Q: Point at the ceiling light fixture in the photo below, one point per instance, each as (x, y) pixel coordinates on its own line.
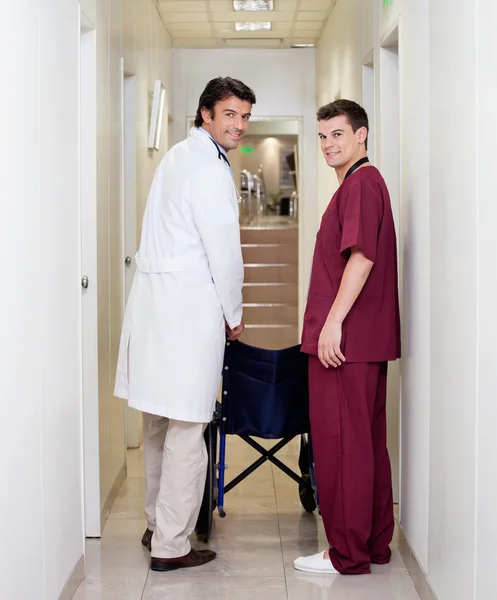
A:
(302, 45)
(253, 5)
(252, 26)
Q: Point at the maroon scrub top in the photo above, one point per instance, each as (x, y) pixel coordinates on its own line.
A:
(359, 214)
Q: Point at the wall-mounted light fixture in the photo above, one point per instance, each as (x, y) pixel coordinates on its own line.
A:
(156, 115)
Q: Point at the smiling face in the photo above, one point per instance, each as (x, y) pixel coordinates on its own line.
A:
(341, 146)
(229, 121)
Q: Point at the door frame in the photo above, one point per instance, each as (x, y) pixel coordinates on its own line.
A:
(129, 234)
(89, 300)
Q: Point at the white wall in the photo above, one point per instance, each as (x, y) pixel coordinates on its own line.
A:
(415, 223)
(337, 75)
(40, 380)
(486, 480)
(132, 30)
(454, 278)
(448, 218)
(40, 314)
(284, 83)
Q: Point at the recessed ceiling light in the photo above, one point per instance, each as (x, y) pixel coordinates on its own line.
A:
(253, 5)
(252, 26)
(302, 45)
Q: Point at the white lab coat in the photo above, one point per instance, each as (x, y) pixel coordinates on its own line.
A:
(188, 280)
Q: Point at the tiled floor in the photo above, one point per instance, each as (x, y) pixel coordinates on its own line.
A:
(265, 529)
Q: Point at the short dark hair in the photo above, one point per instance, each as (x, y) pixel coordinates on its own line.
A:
(355, 114)
(218, 90)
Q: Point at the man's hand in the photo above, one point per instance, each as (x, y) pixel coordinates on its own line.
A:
(236, 332)
(330, 339)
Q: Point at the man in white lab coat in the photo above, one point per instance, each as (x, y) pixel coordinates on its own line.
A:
(187, 293)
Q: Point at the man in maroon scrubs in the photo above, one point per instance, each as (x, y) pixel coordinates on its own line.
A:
(351, 330)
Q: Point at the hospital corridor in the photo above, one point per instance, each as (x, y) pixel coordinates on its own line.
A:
(264, 529)
(172, 198)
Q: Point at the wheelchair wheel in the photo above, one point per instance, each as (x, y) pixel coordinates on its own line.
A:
(307, 496)
(204, 521)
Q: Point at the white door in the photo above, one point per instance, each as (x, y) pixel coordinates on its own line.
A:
(134, 426)
(88, 199)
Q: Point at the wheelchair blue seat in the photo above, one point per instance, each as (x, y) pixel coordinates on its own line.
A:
(265, 392)
(264, 395)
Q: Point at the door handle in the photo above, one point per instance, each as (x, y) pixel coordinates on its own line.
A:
(127, 260)
(84, 282)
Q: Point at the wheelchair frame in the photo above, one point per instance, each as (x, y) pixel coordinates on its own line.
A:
(215, 486)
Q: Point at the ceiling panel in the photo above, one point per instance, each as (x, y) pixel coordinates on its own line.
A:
(176, 27)
(283, 26)
(306, 33)
(169, 6)
(311, 16)
(211, 23)
(224, 26)
(220, 5)
(193, 35)
(253, 16)
(314, 5)
(186, 43)
(309, 25)
(186, 18)
(286, 4)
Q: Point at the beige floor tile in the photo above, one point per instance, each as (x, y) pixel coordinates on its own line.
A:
(251, 508)
(303, 526)
(396, 564)
(111, 589)
(288, 502)
(240, 558)
(133, 487)
(303, 538)
(245, 529)
(135, 463)
(124, 529)
(116, 558)
(396, 586)
(127, 507)
(254, 487)
(173, 586)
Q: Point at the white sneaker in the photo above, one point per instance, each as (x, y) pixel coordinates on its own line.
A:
(316, 563)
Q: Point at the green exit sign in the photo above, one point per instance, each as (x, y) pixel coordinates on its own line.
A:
(246, 149)
(387, 3)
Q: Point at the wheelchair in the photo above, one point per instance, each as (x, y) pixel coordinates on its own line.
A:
(264, 395)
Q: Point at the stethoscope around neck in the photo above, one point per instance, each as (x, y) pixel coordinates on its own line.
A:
(220, 154)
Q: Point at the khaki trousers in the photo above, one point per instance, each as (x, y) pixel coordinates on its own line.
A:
(175, 470)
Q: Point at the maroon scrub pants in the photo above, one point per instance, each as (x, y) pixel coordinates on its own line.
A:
(349, 435)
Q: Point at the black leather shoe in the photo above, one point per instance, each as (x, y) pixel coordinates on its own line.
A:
(147, 539)
(195, 558)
